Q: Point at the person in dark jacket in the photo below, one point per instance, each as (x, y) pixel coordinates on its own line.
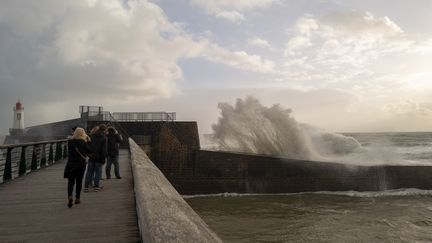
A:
(96, 158)
(78, 149)
(114, 140)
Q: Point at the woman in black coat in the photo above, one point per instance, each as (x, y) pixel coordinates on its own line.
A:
(78, 149)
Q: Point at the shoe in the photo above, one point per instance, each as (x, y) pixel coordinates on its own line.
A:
(96, 189)
(70, 202)
(77, 201)
(86, 189)
(118, 177)
(108, 177)
(102, 179)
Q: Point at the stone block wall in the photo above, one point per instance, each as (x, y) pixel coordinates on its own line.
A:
(219, 172)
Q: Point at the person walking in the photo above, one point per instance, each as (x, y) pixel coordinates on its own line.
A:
(78, 149)
(114, 139)
(96, 158)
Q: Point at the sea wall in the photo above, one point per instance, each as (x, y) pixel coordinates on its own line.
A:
(163, 215)
(218, 172)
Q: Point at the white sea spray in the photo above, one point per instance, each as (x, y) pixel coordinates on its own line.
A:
(250, 127)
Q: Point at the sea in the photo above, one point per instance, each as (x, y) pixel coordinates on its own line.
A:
(403, 215)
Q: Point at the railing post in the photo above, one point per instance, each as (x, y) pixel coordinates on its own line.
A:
(22, 167)
(8, 166)
(43, 156)
(51, 155)
(58, 152)
(65, 151)
(34, 164)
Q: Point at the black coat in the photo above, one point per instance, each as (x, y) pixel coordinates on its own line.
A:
(78, 149)
(99, 147)
(114, 141)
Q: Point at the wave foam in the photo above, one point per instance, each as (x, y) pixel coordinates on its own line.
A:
(386, 193)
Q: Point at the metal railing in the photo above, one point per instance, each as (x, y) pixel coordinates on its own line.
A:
(128, 116)
(144, 116)
(96, 116)
(20, 159)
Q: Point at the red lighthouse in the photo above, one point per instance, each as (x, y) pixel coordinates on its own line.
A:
(18, 123)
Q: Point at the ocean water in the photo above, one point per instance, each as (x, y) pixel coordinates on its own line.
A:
(403, 215)
(411, 146)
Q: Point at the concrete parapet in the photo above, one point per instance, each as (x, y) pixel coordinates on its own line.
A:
(163, 215)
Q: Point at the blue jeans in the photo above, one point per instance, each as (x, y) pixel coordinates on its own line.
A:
(94, 171)
(112, 160)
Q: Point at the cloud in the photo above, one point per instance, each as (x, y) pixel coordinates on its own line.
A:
(239, 59)
(232, 16)
(231, 10)
(346, 46)
(407, 115)
(98, 51)
(258, 42)
(132, 50)
(409, 108)
(130, 47)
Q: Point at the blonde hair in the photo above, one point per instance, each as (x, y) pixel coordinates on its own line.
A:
(80, 133)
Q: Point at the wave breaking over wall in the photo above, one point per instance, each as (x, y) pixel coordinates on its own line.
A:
(250, 127)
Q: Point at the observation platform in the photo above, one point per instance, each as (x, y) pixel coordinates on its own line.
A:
(33, 208)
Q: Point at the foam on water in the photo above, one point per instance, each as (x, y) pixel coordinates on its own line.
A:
(371, 194)
(250, 127)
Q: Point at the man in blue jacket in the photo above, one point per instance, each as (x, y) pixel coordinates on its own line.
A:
(96, 158)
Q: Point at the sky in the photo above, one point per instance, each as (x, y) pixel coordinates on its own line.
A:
(340, 65)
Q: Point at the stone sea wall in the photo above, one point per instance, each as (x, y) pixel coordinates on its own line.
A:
(219, 172)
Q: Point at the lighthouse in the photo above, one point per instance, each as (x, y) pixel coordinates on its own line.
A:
(18, 123)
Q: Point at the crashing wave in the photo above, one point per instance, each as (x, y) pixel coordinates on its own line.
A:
(251, 127)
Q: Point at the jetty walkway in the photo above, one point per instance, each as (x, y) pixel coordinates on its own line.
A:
(33, 209)
(141, 207)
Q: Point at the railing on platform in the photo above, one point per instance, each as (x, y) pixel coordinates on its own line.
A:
(96, 113)
(144, 116)
(20, 159)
